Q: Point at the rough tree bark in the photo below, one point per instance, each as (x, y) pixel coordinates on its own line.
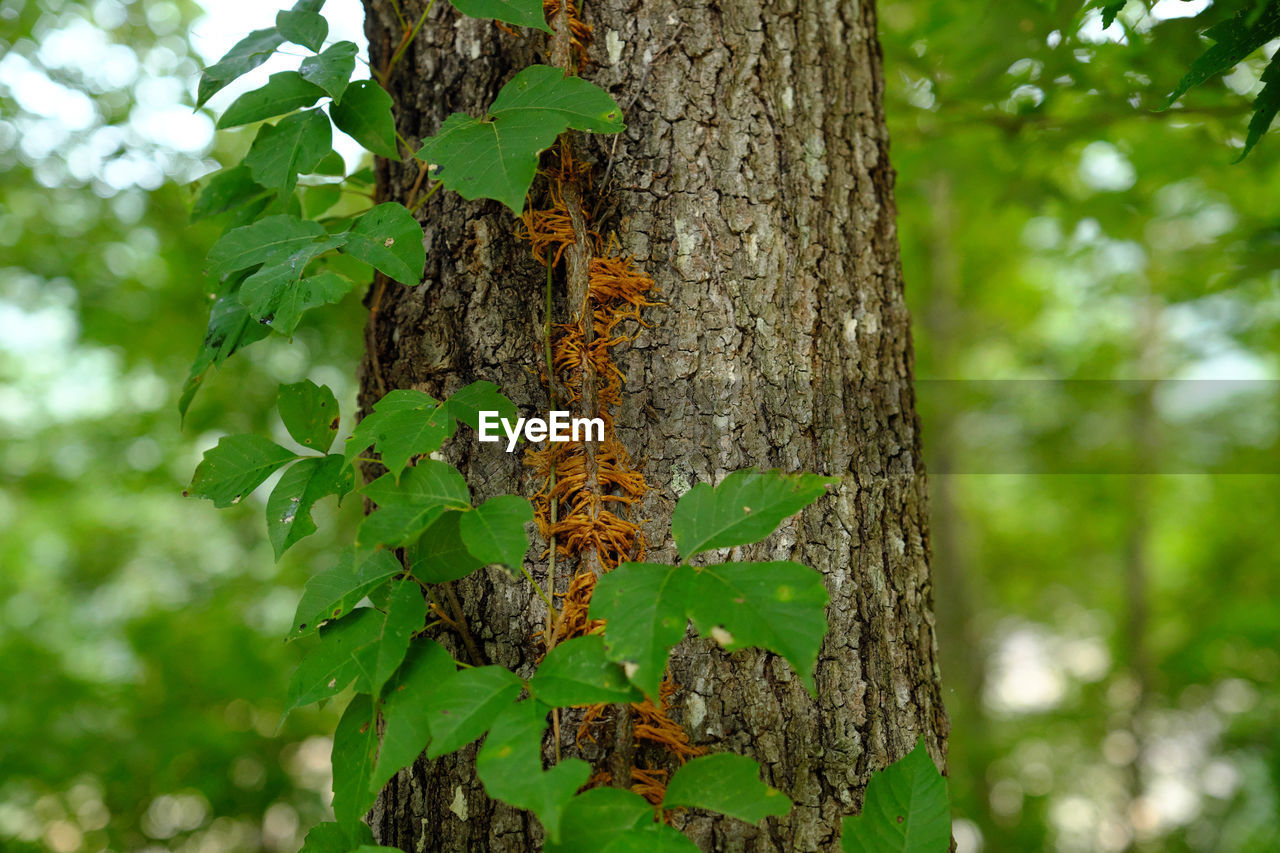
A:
(753, 184)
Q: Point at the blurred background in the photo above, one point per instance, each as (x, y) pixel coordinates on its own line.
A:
(1097, 313)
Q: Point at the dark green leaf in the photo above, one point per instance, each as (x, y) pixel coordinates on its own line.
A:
(331, 838)
(644, 604)
(407, 730)
(725, 783)
(407, 508)
(231, 327)
(746, 507)
(439, 555)
(468, 402)
(389, 239)
(228, 190)
(332, 165)
(247, 54)
(510, 766)
(268, 241)
(776, 606)
(596, 817)
(294, 145)
(276, 294)
(364, 113)
(405, 423)
(317, 199)
(905, 811)
(302, 27)
(310, 414)
(284, 92)
(1235, 38)
(521, 13)
(331, 69)
(494, 531)
(466, 704)
(297, 298)
(1111, 10)
(236, 467)
(289, 507)
(355, 748)
(1265, 107)
(496, 157)
(578, 672)
(651, 838)
(334, 592)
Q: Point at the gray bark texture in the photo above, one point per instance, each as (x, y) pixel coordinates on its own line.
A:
(753, 184)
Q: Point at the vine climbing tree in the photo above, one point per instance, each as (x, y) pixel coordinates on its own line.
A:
(677, 218)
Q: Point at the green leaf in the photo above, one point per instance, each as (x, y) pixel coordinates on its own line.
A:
(332, 165)
(390, 240)
(296, 144)
(319, 198)
(1235, 38)
(334, 592)
(328, 837)
(275, 293)
(510, 766)
(725, 783)
(466, 704)
(303, 27)
(596, 817)
(365, 647)
(494, 531)
(364, 113)
(1265, 107)
(905, 811)
(468, 402)
(310, 414)
(651, 838)
(521, 13)
(247, 54)
(228, 190)
(272, 240)
(296, 298)
(644, 604)
(746, 507)
(1111, 10)
(289, 507)
(355, 748)
(230, 328)
(407, 508)
(496, 156)
(439, 555)
(236, 467)
(407, 731)
(776, 606)
(405, 423)
(578, 672)
(332, 68)
(284, 92)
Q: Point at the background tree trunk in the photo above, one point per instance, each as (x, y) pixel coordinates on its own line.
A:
(753, 185)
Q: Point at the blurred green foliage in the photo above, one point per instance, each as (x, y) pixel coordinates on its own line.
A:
(1108, 640)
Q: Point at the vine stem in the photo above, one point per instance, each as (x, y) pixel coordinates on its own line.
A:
(409, 35)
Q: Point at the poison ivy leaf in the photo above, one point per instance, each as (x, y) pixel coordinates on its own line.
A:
(302, 27)
(364, 113)
(390, 240)
(776, 606)
(355, 748)
(746, 507)
(231, 327)
(332, 68)
(406, 509)
(247, 54)
(651, 838)
(332, 164)
(319, 198)
(406, 613)
(407, 730)
(236, 467)
(405, 423)
(496, 156)
(468, 402)
(298, 297)
(373, 848)
(596, 817)
(725, 783)
(310, 414)
(272, 240)
(578, 672)
(510, 766)
(439, 555)
(521, 13)
(284, 92)
(334, 592)
(328, 837)
(228, 190)
(494, 531)
(905, 811)
(342, 656)
(466, 704)
(296, 144)
(289, 507)
(644, 604)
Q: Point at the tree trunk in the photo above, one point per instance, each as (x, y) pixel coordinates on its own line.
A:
(753, 184)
